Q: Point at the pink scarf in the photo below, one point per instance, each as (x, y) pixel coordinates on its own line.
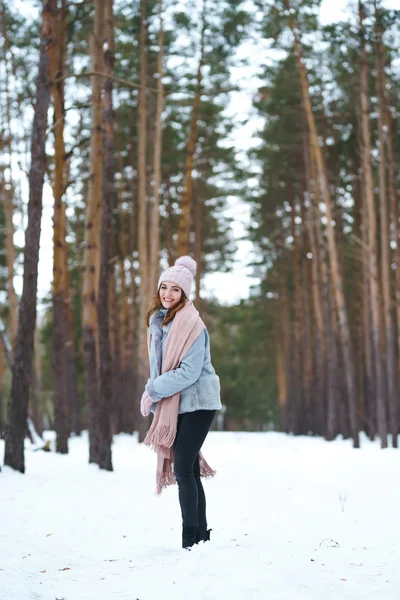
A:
(186, 327)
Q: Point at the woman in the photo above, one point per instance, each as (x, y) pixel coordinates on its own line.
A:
(183, 392)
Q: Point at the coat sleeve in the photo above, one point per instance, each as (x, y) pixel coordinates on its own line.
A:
(178, 379)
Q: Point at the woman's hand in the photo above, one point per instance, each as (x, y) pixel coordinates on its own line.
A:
(145, 404)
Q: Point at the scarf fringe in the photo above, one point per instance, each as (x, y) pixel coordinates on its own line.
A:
(205, 470)
(165, 476)
(165, 472)
(160, 439)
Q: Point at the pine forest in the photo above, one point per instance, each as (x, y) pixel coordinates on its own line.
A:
(125, 142)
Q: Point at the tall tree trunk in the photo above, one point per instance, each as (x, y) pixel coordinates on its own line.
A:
(186, 201)
(281, 377)
(345, 337)
(108, 202)
(328, 306)
(72, 378)
(155, 207)
(298, 311)
(37, 403)
(60, 319)
(144, 266)
(91, 241)
(22, 370)
(310, 400)
(361, 313)
(170, 246)
(199, 215)
(385, 143)
(2, 361)
(8, 195)
(283, 367)
(124, 423)
(319, 350)
(394, 207)
(385, 239)
(372, 238)
(115, 343)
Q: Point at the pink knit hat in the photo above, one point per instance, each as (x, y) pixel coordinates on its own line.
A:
(181, 273)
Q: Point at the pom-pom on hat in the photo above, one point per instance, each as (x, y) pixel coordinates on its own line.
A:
(181, 273)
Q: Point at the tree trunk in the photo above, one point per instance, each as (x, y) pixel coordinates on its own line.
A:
(199, 215)
(22, 371)
(72, 380)
(9, 192)
(122, 358)
(169, 242)
(281, 378)
(385, 236)
(91, 241)
(372, 239)
(108, 201)
(37, 403)
(361, 313)
(298, 311)
(394, 209)
(144, 266)
(1, 392)
(311, 403)
(345, 337)
(155, 207)
(115, 344)
(60, 319)
(186, 201)
(319, 350)
(328, 306)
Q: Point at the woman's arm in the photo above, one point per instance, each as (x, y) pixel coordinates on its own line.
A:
(186, 374)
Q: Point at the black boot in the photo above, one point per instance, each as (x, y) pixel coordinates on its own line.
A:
(203, 534)
(189, 536)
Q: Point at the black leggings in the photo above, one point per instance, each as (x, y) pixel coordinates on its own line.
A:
(191, 432)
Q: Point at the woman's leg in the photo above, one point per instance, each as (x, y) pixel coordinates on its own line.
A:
(191, 433)
(201, 503)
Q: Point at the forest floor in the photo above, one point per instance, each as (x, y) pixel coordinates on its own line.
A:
(292, 518)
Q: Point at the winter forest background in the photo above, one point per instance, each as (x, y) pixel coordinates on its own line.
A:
(130, 112)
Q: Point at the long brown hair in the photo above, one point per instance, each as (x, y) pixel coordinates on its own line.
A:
(156, 304)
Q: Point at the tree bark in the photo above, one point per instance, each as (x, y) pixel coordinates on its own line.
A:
(60, 319)
(37, 403)
(385, 236)
(125, 358)
(345, 337)
(115, 344)
(298, 311)
(394, 209)
(283, 366)
(186, 201)
(9, 192)
(155, 207)
(91, 241)
(1, 392)
(72, 380)
(372, 238)
(319, 350)
(22, 370)
(108, 201)
(144, 266)
(199, 215)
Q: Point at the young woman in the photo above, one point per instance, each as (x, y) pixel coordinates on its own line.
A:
(183, 392)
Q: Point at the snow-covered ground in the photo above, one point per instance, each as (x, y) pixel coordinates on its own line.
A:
(292, 518)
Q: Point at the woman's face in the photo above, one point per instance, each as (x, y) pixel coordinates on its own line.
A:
(170, 294)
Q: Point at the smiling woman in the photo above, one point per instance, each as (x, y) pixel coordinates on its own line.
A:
(183, 391)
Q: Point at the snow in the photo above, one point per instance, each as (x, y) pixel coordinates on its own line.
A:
(292, 518)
